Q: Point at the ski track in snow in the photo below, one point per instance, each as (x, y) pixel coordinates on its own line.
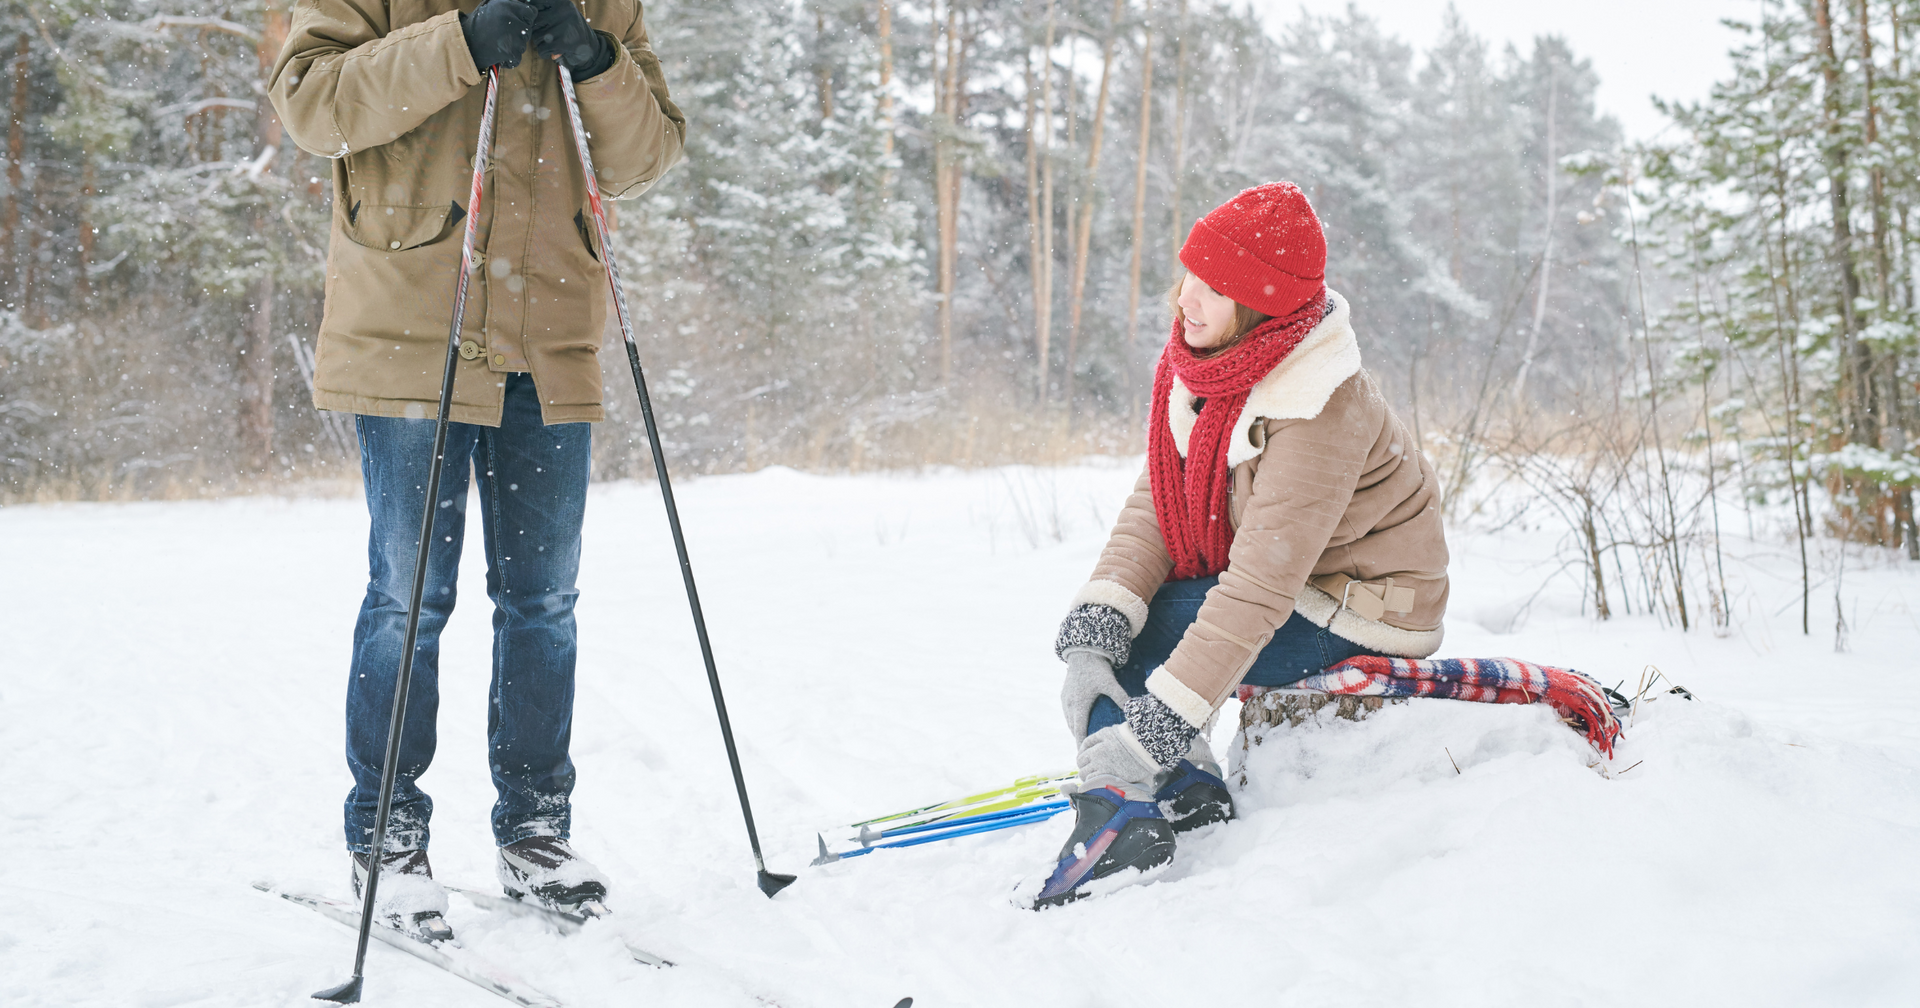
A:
(173, 674)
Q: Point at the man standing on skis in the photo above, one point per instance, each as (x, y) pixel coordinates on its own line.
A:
(391, 91)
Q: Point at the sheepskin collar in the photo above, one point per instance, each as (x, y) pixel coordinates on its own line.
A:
(1297, 389)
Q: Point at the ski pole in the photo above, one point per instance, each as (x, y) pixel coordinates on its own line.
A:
(770, 882)
(349, 992)
(1023, 790)
(867, 836)
(1038, 815)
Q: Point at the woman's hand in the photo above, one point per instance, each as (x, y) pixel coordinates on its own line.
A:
(1089, 677)
(1093, 640)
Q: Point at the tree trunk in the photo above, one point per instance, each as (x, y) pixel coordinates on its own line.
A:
(16, 178)
(822, 71)
(946, 181)
(1043, 294)
(1084, 238)
(885, 31)
(82, 282)
(1179, 130)
(1032, 137)
(256, 370)
(1887, 524)
(1856, 358)
(1130, 330)
(1546, 255)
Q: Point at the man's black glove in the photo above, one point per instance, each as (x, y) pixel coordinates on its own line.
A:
(559, 32)
(497, 32)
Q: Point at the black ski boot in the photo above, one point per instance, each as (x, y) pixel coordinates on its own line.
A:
(547, 871)
(1193, 794)
(407, 899)
(1116, 827)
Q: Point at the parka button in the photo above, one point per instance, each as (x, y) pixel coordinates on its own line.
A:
(470, 350)
(393, 245)
(499, 360)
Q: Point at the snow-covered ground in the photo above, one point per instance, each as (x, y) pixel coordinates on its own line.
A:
(171, 678)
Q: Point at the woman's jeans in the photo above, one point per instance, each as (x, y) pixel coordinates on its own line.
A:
(533, 491)
(1298, 649)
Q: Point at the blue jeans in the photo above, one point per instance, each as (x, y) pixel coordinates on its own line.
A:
(1298, 649)
(533, 495)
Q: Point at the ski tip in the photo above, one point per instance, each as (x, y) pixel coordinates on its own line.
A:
(771, 882)
(346, 993)
(904, 1003)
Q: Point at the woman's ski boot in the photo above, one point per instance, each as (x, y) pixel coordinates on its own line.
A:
(1117, 826)
(1193, 793)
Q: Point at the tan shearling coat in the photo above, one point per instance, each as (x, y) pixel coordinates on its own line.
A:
(1331, 501)
(388, 90)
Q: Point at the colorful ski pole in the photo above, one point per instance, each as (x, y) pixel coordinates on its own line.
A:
(868, 837)
(1027, 816)
(770, 882)
(1019, 792)
(349, 992)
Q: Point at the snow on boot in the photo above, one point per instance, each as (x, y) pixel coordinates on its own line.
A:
(1118, 830)
(407, 898)
(546, 870)
(1193, 792)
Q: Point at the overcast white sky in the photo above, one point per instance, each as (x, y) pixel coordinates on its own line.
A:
(1672, 48)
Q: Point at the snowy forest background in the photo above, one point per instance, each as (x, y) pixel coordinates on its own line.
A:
(941, 233)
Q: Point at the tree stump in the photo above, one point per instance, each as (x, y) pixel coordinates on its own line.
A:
(1278, 710)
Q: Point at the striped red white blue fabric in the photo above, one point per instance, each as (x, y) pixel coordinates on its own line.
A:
(1486, 680)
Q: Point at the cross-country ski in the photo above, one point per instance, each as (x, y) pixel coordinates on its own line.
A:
(562, 920)
(446, 955)
(696, 504)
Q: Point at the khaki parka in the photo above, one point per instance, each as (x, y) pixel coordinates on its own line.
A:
(1336, 515)
(388, 90)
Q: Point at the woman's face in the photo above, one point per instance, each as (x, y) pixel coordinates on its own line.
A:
(1206, 316)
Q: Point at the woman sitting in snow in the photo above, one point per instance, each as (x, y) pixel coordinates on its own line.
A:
(1285, 522)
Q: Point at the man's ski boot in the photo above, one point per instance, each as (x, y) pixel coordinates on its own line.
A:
(407, 898)
(1193, 792)
(547, 871)
(1117, 826)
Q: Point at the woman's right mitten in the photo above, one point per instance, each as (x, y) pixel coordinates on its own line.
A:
(1094, 639)
(1089, 677)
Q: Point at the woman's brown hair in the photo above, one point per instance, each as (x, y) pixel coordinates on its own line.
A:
(1245, 319)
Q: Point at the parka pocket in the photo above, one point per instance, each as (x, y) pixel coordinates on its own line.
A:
(399, 228)
(586, 233)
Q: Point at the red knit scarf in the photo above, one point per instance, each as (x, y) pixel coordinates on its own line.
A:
(1190, 494)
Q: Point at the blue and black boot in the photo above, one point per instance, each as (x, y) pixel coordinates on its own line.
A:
(1113, 831)
(1193, 794)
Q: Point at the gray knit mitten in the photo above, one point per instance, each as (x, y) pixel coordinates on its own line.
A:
(1098, 628)
(1089, 678)
(1093, 640)
(1163, 733)
(1114, 754)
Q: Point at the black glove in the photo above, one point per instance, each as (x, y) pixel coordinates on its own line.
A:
(559, 32)
(497, 32)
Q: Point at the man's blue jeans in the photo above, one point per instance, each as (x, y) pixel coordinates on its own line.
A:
(533, 494)
(1298, 649)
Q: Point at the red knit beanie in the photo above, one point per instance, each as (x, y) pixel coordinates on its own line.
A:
(1263, 248)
